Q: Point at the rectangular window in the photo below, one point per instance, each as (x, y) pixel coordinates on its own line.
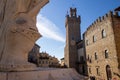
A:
(90, 70)
(103, 33)
(97, 71)
(96, 57)
(87, 42)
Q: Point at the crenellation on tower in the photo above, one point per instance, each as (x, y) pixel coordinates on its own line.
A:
(76, 19)
(73, 12)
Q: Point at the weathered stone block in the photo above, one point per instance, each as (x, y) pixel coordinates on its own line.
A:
(18, 32)
(43, 74)
(3, 76)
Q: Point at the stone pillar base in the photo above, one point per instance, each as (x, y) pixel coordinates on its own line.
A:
(42, 74)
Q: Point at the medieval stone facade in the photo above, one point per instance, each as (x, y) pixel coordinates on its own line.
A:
(98, 54)
(102, 46)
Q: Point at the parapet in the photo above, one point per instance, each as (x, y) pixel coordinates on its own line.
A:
(107, 16)
(72, 19)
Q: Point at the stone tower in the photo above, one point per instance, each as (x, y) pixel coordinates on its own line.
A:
(72, 36)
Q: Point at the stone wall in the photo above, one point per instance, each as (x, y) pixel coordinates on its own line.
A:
(98, 46)
(116, 29)
(43, 74)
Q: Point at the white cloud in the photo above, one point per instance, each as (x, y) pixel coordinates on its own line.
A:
(48, 29)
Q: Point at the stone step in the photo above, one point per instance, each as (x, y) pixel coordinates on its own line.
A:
(43, 74)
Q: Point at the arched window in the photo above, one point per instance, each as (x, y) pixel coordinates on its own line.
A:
(106, 54)
(90, 70)
(97, 70)
(94, 38)
(108, 73)
(103, 33)
(96, 57)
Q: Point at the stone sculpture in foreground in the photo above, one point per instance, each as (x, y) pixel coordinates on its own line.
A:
(18, 32)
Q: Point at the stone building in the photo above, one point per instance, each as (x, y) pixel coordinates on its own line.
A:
(98, 54)
(42, 59)
(34, 54)
(102, 46)
(74, 44)
(81, 62)
(45, 60)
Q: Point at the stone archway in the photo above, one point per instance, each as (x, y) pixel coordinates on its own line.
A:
(108, 72)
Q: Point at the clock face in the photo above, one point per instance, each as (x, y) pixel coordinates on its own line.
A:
(72, 42)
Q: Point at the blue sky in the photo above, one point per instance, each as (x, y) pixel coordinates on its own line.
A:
(51, 21)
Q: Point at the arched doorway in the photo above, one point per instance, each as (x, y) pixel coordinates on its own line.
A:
(92, 77)
(108, 73)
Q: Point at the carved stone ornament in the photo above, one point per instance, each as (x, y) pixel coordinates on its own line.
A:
(18, 32)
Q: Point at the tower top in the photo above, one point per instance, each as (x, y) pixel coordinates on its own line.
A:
(73, 12)
(72, 16)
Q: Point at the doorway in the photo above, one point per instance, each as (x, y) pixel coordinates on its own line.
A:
(108, 72)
